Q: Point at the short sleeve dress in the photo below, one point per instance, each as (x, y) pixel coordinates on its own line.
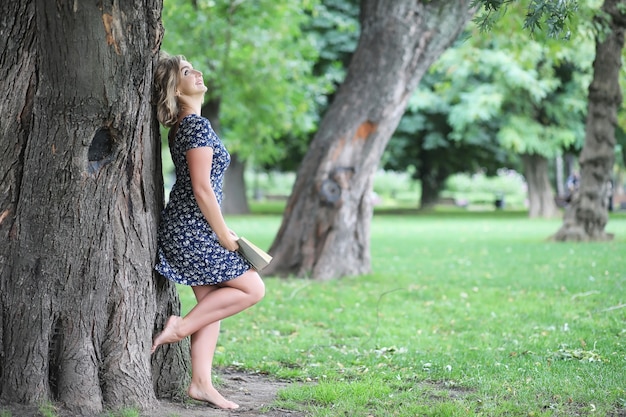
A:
(188, 250)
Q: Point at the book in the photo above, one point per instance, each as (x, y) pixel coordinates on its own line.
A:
(253, 254)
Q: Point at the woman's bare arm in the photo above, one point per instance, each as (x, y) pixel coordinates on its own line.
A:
(200, 161)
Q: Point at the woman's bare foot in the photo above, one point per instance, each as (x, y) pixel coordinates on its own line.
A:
(210, 395)
(168, 334)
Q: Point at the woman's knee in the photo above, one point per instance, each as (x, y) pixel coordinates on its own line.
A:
(251, 284)
(257, 290)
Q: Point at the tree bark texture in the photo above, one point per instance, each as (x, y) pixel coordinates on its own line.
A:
(587, 215)
(432, 185)
(81, 193)
(235, 199)
(541, 202)
(432, 176)
(560, 178)
(325, 228)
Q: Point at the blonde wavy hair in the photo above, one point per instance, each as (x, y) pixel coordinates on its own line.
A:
(166, 77)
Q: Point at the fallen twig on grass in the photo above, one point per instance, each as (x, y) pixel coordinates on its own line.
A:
(585, 294)
(614, 307)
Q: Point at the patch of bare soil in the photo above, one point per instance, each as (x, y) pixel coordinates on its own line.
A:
(254, 393)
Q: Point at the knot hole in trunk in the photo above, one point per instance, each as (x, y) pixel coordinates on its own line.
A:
(331, 188)
(101, 150)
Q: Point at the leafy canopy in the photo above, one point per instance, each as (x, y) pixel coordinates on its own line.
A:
(494, 95)
(257, 64)
(555, 18)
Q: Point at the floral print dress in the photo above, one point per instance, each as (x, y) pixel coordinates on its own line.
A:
(188, 250)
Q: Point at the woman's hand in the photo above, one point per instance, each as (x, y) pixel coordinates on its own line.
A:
(229, 241)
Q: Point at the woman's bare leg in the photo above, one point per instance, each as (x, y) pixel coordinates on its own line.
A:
(203, 343)
(230, 298)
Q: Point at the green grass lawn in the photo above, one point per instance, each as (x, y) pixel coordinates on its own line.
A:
(465, 314)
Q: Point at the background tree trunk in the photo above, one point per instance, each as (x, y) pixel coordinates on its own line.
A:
(560, 178)
(81, 194)
(433, 180)
(540, 195)
(235, 199)
(325, 229)
(587, 215)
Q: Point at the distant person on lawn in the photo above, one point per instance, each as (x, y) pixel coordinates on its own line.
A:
(572, 184)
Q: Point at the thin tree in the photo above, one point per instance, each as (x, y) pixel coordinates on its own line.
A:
(587, 215)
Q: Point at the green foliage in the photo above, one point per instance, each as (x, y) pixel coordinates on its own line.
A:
(558, 19)
(335, 26)
(498, 94)
(470, 314)
(426, 141)
(494, 96)
(583, 21)
(257, 64)
(533, 99)
(555, 15)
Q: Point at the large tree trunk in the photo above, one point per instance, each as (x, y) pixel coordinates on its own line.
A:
(325, 229)
(587, 215)
(81, 192)
(540, 195)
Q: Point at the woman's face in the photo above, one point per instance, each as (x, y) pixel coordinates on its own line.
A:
(190, 82)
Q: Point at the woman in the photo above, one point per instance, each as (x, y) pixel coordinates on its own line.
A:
(195, 247)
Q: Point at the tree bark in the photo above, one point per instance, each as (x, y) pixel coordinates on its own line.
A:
(429, 195)
(235, 198)
(433, 180)
(560, 178)
(81, 195)
(325, 228)
(587, 215)
(540, 195)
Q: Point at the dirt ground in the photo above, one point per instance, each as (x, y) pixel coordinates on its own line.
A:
(252, 392)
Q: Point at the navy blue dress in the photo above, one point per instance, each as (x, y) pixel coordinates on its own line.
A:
(188, 249)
